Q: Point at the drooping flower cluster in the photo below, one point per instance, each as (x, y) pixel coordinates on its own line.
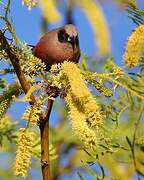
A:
(23, 154)
(49, 10)
(30, 64)
(80, 126)
(134, 51)
(80, 94)
(32, 114)
(84, 112)
(7, 97)
(95, 15)
(30, 3)
(4, 106)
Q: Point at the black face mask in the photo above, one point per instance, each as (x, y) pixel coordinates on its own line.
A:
(63, 37)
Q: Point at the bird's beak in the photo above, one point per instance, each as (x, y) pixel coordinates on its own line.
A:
(73, 43)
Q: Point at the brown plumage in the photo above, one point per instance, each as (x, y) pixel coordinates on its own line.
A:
(58, 45)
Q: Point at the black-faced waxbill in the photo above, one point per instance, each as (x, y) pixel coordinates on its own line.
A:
(58, 45)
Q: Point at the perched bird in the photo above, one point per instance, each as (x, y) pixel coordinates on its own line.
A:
(58, 45)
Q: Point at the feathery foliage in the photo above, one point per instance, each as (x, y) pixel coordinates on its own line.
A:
(8, 96)
(105, 106)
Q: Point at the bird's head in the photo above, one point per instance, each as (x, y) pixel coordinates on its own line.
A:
(68, 34)
(58, 45)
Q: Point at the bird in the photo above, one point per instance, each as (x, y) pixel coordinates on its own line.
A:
(58, 45)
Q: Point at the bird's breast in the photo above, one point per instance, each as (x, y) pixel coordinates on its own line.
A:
(52, 52)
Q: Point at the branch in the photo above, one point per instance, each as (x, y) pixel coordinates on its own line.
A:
(6, 71)
(52, 92)
(15, 62)
(44, 130)
(44, 121)
(132, 145)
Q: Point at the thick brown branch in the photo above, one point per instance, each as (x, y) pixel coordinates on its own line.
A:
(15, 62)
(44, 129)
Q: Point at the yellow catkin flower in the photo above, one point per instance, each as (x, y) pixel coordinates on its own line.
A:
(3, 107)
(85, 115)
(5, 123)
(30, 3)
(81, 95)
(32, 114)
(79, 125)
(3, 54)
(127, 3)
(134, 51)
(30, 64)
(49, 10)
(95, 15)
(92, 111)
(23, 154)
(118, 72)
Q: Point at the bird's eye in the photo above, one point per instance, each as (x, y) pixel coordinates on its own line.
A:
(68, 39)
(63, 36)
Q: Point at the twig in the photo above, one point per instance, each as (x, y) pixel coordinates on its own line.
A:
(6, 71)
(44, 130)
(69, 12)
(15, 62)
(132, 144)
(52, 92)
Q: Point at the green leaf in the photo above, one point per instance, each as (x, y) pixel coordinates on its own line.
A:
(80, 175)
(2, 83)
